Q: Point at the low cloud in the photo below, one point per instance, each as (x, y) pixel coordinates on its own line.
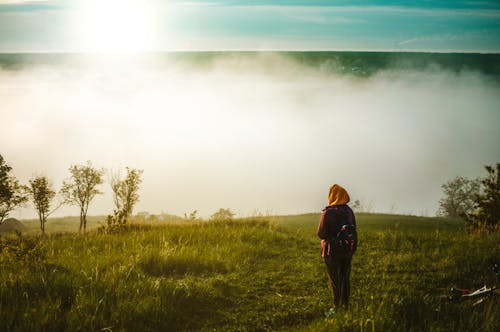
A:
(252, 133)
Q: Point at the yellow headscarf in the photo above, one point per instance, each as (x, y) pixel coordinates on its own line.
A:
(338, 195)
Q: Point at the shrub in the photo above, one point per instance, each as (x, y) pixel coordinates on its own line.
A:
(21, 249)
(486, 217)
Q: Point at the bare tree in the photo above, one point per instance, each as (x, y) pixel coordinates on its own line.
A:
(41, 194)
(192, 216)
(81, 188)
(125, 193)
(11, 193)
(459, 195)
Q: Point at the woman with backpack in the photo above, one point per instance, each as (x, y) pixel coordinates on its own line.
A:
(337, 231)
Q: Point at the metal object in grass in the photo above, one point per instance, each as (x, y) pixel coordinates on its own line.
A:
(480, 295)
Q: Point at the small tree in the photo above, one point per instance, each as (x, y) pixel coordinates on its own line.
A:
(41, 194)
(11, 193)
(356, 205)
(126, 193)
(222, 214)
(192, 216)
(81, 188)
(486, 215)
(459, 195)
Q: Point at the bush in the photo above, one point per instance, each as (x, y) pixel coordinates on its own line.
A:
(222, 214)
(486, 217)
(21, 249)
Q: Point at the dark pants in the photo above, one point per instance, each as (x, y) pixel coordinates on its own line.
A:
(339, 271)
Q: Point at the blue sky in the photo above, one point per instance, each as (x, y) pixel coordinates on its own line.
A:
(69, 25)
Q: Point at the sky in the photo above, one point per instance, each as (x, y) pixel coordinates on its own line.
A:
(259, 133)
(162, 25)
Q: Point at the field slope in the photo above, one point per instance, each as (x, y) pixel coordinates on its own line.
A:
(259, 274)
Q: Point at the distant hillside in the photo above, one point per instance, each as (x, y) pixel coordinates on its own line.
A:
(70, 224)
(361, 64)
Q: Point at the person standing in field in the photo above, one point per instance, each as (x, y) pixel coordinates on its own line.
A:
(337, 231)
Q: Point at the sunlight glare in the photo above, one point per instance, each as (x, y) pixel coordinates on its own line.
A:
(116, 26)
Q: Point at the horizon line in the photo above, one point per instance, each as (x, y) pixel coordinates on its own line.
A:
(496, 52)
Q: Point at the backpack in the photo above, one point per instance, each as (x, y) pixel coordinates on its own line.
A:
(345, 241)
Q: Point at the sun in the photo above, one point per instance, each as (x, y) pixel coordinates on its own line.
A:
(116, 26)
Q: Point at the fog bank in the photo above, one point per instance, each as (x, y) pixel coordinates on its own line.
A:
(254, 134)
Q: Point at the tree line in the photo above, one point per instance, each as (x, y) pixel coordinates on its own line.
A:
(79, 189)
(477, 201)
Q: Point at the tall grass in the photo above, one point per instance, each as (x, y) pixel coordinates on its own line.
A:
(244, 275)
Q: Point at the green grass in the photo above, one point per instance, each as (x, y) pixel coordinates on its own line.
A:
(245, 275)
(71, 224)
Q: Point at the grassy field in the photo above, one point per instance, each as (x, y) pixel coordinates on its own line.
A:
(257, 274)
